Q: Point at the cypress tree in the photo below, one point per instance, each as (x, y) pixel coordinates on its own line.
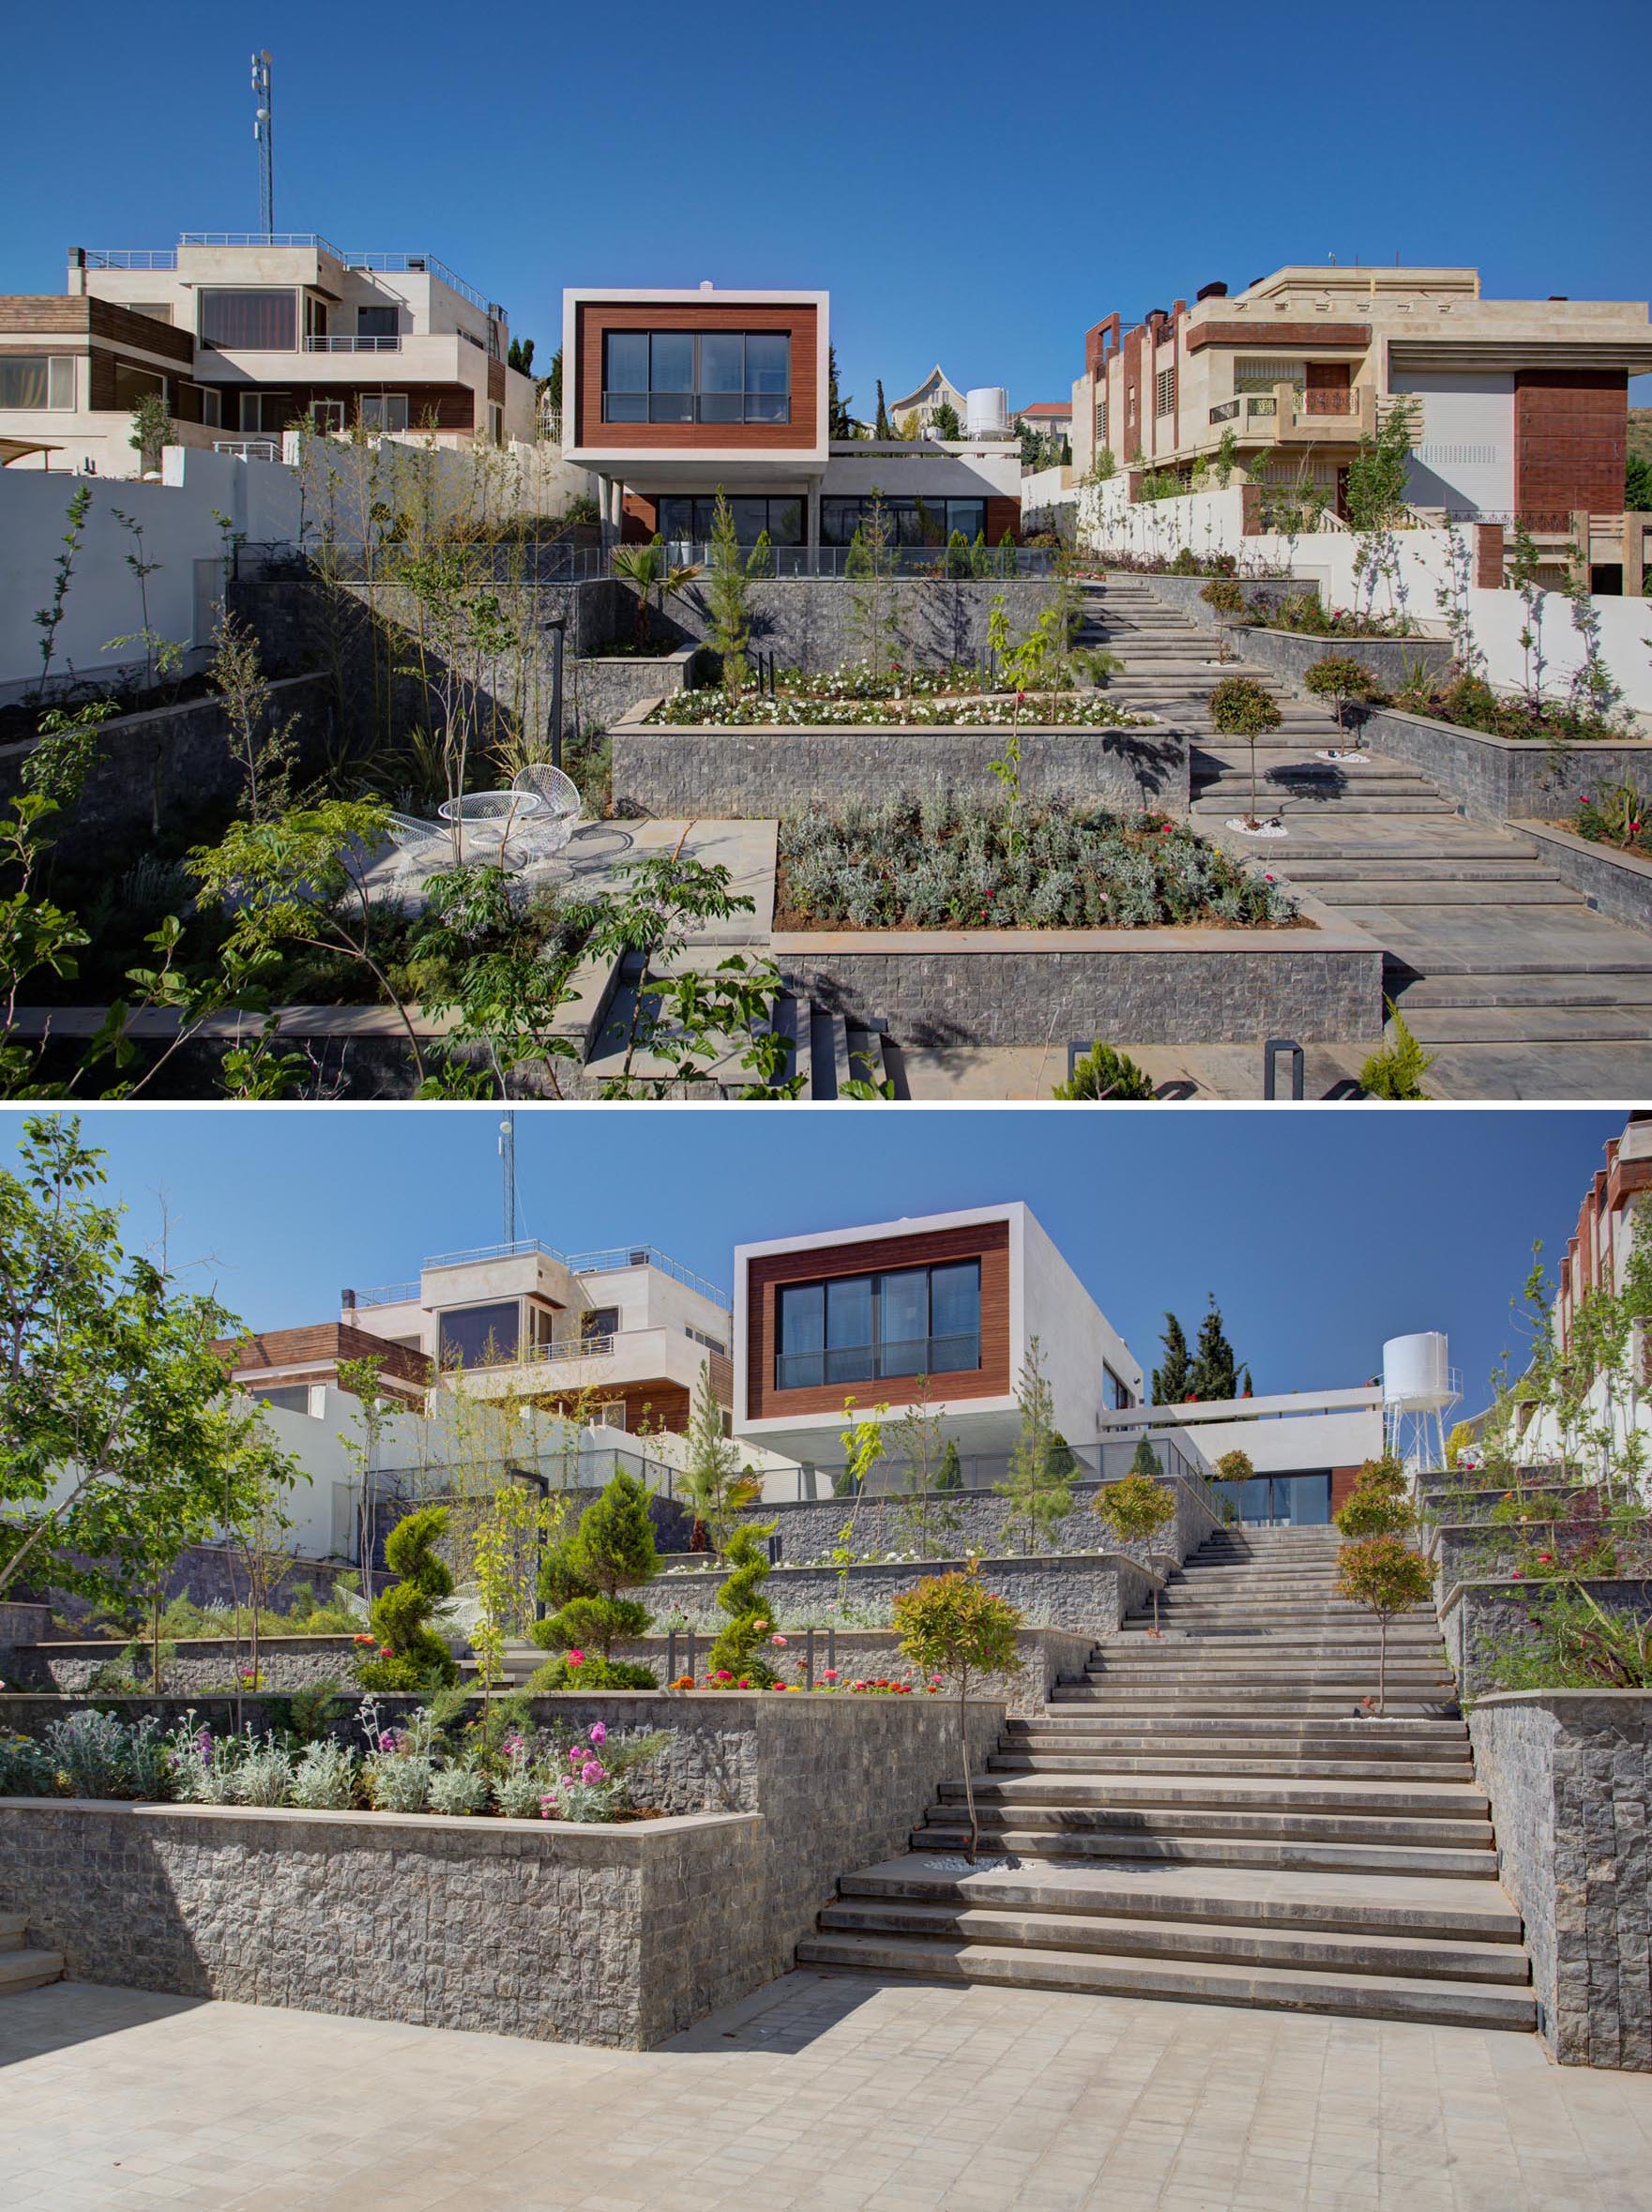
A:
(1171, 1382)
(1214, 1373)
(881, 427)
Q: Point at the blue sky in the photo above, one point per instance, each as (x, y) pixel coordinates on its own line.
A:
(968, 183)
(1320, 1233)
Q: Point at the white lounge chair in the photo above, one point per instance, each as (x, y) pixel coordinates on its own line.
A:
(557, 793)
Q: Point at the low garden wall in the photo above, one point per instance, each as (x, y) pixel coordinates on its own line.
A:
(190, 1664)
(606, 689)
(668, 770)
(619, 1936)
(1321, 985)
(1182, 594)
(1088, 1593)
(809, 622)
(975, 1520)
(1569, 1776)
(1618, 884)
(1391, 661)
(1446, 1502)
(168, 770)
(1478, 1614)
(1505, 779)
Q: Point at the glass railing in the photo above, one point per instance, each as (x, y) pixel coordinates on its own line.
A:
(1174, 1458)
(734, 410)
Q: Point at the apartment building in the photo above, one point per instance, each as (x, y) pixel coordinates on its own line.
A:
(672, 394)
(1522, 405)
(951, 1300)
(1598, 1250)
(242, 336)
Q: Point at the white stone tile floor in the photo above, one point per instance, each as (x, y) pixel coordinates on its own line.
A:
(818, 2094)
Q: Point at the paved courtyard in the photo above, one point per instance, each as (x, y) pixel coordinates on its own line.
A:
(817, 2094)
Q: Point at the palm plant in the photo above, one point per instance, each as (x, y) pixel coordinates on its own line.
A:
(646, 568)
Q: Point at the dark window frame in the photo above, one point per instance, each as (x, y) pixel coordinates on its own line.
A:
(660, 404)
(877, 1360)
(837, 530)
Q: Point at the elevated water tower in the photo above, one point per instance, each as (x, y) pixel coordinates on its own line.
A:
(986, 412)
(1420, 1387)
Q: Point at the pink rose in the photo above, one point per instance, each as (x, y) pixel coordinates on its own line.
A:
(593, 1771)
(599, 1733)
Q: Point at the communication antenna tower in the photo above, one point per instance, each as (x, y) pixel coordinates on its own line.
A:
(263, 134)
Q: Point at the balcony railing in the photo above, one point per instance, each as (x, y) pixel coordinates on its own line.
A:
(1337, 400)
(600, 1263)
(129, 257)
(250, 448)
(301, 238)
(1109, 1459)
(361, 342)
(422, 264)
(702, 407)
(872, 1363)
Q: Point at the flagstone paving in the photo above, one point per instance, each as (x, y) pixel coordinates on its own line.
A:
(820, 2094)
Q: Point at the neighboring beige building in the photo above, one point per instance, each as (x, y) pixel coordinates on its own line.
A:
(1523, 404)
(246, 337)
(937, 390)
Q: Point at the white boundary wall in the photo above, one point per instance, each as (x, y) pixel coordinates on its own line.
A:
(181, 535)
(1212, 523)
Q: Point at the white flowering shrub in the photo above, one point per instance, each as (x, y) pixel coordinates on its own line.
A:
(323, 1780)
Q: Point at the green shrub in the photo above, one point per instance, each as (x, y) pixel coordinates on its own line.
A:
(1222, 594)
(400, 1613)
(738, 1650)
(1337, 676)
(612, 1549)
(26, 1768)
(589, 1670)
(1104, 1073)
(1242, 707)
(1396, 1069)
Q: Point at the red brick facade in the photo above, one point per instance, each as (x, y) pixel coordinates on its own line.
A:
(1570, 435)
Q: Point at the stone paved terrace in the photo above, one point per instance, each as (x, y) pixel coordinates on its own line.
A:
(820, 2094)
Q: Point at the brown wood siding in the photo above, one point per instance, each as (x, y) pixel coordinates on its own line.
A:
(69, 316)
(496, 382)
(103, 368)
(661, 1405)
(592, 318)
(1002, 514)
(988, 1242)
(1264, 336)
(319, 1348)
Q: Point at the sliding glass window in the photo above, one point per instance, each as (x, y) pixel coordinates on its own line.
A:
(857, 1328)
(690, 376)
(264, 322)
(907, 521)
(690, 521)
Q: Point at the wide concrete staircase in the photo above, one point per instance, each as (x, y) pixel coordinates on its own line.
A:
(1204, 1815)
(22, 1966)
(1493, 959)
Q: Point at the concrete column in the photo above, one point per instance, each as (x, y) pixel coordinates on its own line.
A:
(811, 522)
(1635, 525)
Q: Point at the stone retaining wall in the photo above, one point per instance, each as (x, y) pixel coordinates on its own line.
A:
(1048, 1656)
(1089, 1595)
(167, 773)
(1569, 1776)
(668, 770)
(610, 688)
(197, 1665)
(1476, 1614)
(1391, 661)
(809, 622)
(1505, 779)
(976, 1520)
(1618, 884)
(1182, 593)
(1320, 985)
(613, 1935)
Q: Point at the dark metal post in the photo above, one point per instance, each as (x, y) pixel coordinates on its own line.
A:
(831, 1650)
(809, 1661)
(671, 1657)
(688, 1669)
(559, 625)
(1272, 1051)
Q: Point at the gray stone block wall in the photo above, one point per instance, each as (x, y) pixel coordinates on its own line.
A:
(168, 772)
(1088, 1596)
(1570, 1776)
(810, 623)
(1182, 593)
(1506, 779)
(605, 689)
(938, 988)
(976, 1520)
(611, 1935)
(1618, 884)
(668, 770)
(1475, 1617)
(1289, 654)
(197, 1665)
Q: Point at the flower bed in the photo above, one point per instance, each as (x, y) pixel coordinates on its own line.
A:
(829, 708)
(1501, 777)
(938, 863)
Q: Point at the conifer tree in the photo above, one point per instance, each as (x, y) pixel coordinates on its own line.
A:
(881, 427)
(1171, 1382)
(1214, 1375)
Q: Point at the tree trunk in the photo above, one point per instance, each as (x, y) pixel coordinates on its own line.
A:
(155, 1641)
(1382, 1664)
(974, 1843)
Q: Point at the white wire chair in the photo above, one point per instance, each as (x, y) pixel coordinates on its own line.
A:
(415, 840)
(559, 794)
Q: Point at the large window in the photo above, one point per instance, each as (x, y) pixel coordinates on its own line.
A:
(267, 414)
(266, 321)
(36, 380)
(480, 1336)
(1115, 1393)
(909, 521)
(134, 384)
(858, 1328)
(384, 411)
(696, 376)
(690, 521)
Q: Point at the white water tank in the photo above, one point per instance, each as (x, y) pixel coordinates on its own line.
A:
(986, 411)
(1417, 1376)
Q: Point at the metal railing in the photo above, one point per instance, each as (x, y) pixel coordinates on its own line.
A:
(360, 342)
(597, 1263)
(128, 257)
(301, 238)
(422, 264)
(250, 448)
(1107, 1459)
(956, 564)
(165, 257)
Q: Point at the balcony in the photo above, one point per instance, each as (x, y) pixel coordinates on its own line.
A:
(572, 1366)
(390, 342)
(1287, 415)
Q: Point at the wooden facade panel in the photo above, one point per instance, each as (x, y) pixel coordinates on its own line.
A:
(647, 1405)
(319, 1346)
(986, 1242)
(1263, 337)
(593, 318)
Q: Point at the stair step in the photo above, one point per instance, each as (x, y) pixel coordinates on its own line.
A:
(1298, 1989)
(29, 1968)
(1429, 1957)
(1327, 1766)
(1299, 1854)
(1455, 1803)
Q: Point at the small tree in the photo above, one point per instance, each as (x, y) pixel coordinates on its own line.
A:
(1103, 1072)
(1395, 1071)
(1214, 1375)
(1382, 1573)
(738, 1650)
(265, 748)
(1242, 707)
(951, 1472)
(612, 1551)
(1039, 1487)
(417, 1656)
(874, 594)
(951, 1625)
(731, 622)
(1379, 1502)
(713, 1483)
(881, 429)
(1145, 1460)
(151, 429)
(944, 420)
(1338, 677)
(1172, 1383)
(1133, 1510)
